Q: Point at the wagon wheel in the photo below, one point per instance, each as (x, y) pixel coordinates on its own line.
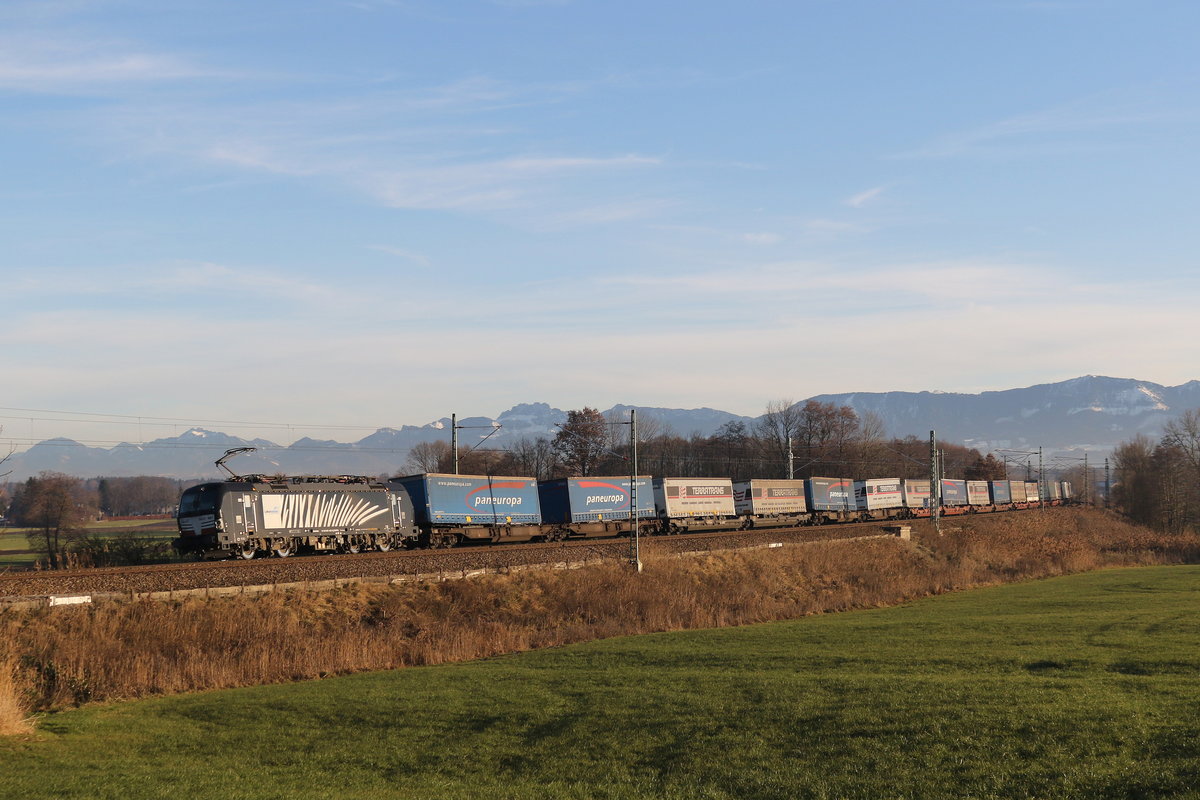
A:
(247, 551)
(282, 548)
(383, 543)
(353, 546)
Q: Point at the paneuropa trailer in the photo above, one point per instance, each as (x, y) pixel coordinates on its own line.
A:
(440, 499)
(830, 494)
(954, 492)
(594, 499)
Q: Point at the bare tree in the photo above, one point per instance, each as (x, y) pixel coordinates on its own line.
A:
(428, 457)
(56, 507)
(778, 427)
(533, 457)
(1183, 433)
(12, 449)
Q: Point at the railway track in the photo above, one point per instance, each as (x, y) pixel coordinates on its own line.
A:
(199, 575)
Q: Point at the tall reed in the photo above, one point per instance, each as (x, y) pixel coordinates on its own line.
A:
(14, 713)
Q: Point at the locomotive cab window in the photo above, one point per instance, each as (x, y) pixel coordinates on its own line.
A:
(200, 499)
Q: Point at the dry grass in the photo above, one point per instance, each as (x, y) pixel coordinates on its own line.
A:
(14, 716)
(113, 651)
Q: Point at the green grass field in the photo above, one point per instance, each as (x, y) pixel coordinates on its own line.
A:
(16, 553)
(14, 549)
(1085, 686)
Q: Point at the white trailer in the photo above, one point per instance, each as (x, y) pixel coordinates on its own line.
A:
(878, 493)
(763, 498)
(978, 494)
(694, 497)
(916, 493)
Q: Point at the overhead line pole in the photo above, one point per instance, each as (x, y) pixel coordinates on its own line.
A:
(635, 558)
(935, 484)
(1042, 481)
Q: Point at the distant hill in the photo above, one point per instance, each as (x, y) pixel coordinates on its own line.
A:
(1090, 414)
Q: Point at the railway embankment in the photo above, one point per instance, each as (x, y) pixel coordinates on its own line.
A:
(59, 657)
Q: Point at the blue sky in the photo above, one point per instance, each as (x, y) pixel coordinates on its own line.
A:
(374, 213)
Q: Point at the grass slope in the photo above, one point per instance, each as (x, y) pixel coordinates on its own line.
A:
(1084, 686)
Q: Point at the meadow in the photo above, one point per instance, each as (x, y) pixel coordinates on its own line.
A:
(1080, 686)
(17, 553)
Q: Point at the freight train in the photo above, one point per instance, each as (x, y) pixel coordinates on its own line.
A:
(258, 515)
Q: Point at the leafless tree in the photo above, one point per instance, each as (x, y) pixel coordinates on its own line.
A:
(1183, 434)
(533, 457)
(428, 457)
(55, 506)
(12, 449)
(777, 428)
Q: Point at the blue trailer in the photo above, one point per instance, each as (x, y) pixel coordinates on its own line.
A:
(1001, 492)
(453, 508)
(954, 492)
(593, 499)
(833, 496)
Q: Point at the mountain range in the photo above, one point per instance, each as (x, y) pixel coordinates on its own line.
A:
(1088, 414)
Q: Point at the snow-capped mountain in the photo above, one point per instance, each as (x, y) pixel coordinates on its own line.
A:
(1089, 413)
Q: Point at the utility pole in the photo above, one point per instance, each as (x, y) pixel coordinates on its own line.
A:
(454, 439)
(791, 461)
(1107, 485)
(935, 484)
(1041, 482)
(1087, 480)
(635, 558)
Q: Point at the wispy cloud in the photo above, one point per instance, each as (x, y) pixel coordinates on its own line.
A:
(763, 239)
(1067, 128)
(30, 63)
(140, 283)
(864, 198)
(399, 252)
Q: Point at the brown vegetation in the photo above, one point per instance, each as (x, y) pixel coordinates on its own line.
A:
(125, 650)
(14, 715)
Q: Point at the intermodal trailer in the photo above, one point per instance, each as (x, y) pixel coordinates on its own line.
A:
(694, 503)
(954, 492)
(830, 498)
(877, 496)
(594, 499)
(694, 497)
(916, 495)
(1001, 492)
(1031, 492)
(977, 493)
(1016, 490)
(762, 497)
(453, 508)
(1067, 494)
(771, 503)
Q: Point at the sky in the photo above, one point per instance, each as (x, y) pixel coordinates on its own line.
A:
(348, 214)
